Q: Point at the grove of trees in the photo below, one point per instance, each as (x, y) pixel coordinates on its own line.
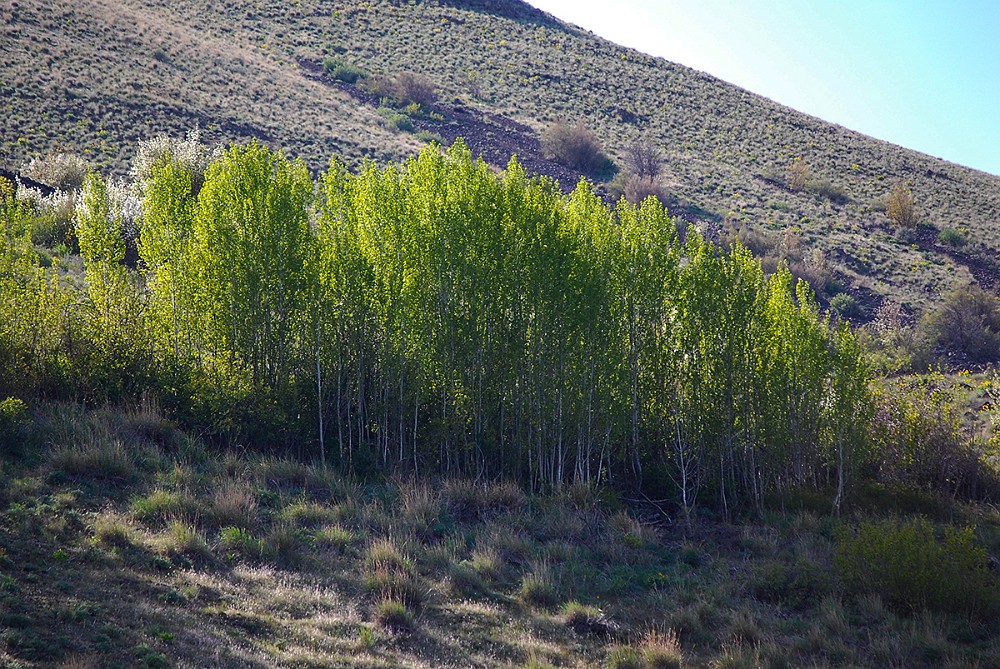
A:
(433, 317)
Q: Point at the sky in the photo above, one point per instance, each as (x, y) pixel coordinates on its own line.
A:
(924, 74)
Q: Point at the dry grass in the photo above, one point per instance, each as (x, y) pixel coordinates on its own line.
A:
(234, 72)
(81, 579)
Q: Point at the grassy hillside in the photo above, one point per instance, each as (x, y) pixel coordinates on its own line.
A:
(125, 542)
(95, 76)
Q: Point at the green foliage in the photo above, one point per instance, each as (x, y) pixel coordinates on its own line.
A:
(624, 657)
(911, 567)
(394, 615)
(844, 305)
(829, 190)
(14, 420)
(919, 440)
(966, 324)
(341, 70)
(396, 119)
(239, 542)
(433, 316)
(798, 585)
(951, 237)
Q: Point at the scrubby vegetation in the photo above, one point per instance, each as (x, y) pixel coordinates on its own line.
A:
(416, 413)
(125, 541)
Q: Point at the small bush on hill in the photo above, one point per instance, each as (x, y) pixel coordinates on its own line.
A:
(951, 237)
(966, 325)
(644, 159)
(919, 440)
(829, 190)
(635, 188)
(900, 209)
(412, 87)
(844, 305)
(577, 147)
(911, 567)
(64, 171)
(341, 70)
(798, 174)
(14, 422)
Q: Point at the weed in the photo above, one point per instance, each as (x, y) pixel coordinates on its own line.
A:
(467, 500)
(239, 542)
(465, 581)
(393, 614)
(111, 529)
(487, 563)
(910, 567)
(661, 650)
(100, 460)
(587, 619)
(308, 514)
(335, 537)
(184, 539)
(624, 657)
(367, 638)
(235, 505)
(538, 586)
(161, 506)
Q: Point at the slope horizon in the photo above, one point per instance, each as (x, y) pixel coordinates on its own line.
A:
(836, 64)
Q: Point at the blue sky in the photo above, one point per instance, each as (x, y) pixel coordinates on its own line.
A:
(920, 73)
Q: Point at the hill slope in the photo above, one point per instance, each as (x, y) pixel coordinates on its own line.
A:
(95, 76)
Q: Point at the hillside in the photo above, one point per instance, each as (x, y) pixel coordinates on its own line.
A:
(125, 542)
(94, 77)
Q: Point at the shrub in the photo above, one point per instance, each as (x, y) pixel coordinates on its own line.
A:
(189, 153)
(844, 305)
(538, 587)
(64, 171)
(951, 237)
(575, 146)
(635, 188)
(798, 174)
(341, 70)
(624, 657)
(393, 614)
(239, 542)
(644, 159)
(911, 567)
(412, 87)
(14, 421)
(917, 431)
(395, 119)
(967, 325)
(829, 190)
(900, 209)
(798, 585)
